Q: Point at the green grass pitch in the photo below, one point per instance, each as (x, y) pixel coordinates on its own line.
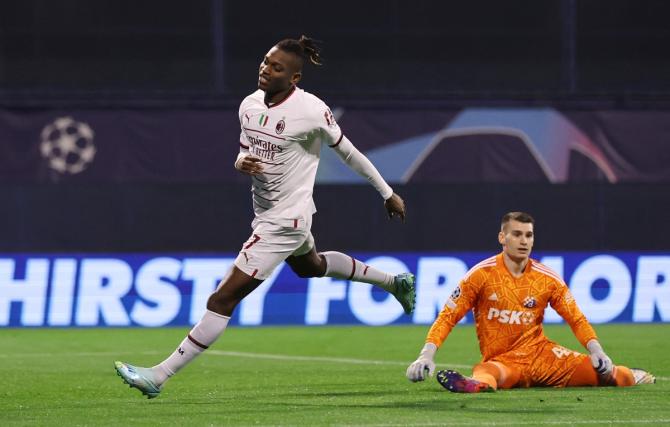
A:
(306, 376)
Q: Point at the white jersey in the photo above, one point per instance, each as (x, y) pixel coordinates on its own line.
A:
(287, 136)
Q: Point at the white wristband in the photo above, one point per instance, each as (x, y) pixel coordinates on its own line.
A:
(429, 349)
(593, 346)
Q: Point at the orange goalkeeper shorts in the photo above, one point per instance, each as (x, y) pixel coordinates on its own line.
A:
(545, 364)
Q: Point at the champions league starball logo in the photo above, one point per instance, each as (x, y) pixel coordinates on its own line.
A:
(67, 145)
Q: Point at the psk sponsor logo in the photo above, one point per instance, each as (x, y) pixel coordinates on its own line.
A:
(529, 302)
(511, 317)
(281, 125)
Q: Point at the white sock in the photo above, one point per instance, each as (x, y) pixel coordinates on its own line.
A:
(203, 334)
(343, 266)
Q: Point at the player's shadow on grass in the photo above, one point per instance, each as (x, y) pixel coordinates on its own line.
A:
(463, 405)
(348, 393)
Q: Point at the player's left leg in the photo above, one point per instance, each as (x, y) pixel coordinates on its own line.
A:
(341, 266)
(585, 375)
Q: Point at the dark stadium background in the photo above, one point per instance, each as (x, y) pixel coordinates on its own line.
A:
(154, 60)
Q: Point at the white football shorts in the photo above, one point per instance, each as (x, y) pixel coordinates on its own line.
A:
(271, 243)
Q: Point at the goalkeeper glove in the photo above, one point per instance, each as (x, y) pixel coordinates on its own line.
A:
(417, 370)
(599, 360)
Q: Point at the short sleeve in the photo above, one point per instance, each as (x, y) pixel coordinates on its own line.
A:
(330, 131)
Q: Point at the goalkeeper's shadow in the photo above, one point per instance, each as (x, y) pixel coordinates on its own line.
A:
(479, 403)
(460, 404)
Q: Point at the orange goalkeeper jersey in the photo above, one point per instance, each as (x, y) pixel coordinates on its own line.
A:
(508, 310)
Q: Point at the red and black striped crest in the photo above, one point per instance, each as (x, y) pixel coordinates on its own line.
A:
(281, 125)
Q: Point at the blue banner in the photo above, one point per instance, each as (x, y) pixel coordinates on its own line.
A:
(172, 290)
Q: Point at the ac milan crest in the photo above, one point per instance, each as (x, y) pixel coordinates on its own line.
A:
(281, 125)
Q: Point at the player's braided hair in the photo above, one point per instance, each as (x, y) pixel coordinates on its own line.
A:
(305, 47)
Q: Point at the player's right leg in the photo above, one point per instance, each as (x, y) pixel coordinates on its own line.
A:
(496, 374)
(486, 376)
(220, 306)
(457, 383)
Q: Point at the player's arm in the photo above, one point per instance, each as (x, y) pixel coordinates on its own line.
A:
(457, 305)
(356, 161)
(566, 306)
(360, 164)
(246, 162)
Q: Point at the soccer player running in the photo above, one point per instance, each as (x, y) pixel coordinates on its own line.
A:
(283, 128)
(509, 293)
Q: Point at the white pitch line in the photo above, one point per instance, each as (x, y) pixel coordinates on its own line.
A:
(516, 423)
(290, 358)
(81, 354)
(268, 356)
(285, 357)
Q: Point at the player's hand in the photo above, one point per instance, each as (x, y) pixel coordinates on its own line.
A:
(599, 360)
(420, 369)
(424, 366)
(602, 363)
(249, 164)
(395, 206)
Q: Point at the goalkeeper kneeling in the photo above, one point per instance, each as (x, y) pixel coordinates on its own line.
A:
(508, 293)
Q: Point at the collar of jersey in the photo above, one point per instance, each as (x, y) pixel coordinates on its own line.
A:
(501, 264)
(290, 92)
